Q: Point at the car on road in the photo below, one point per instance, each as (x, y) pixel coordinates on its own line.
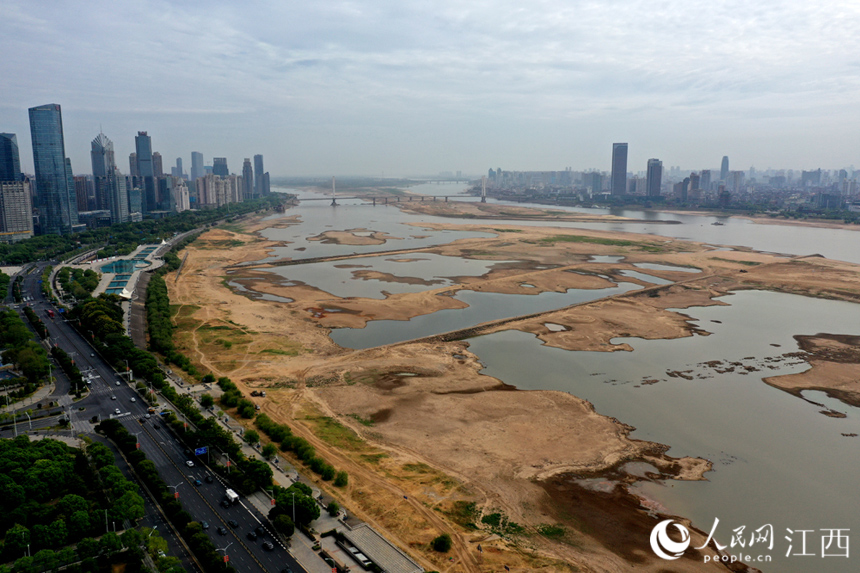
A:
(209, 479)
(204, 524)
(222, 531)
(148, 417)
(225, 504)
(268, 545)
(116, 411)
(260, 531)
(156, 426)
(189, 463)
(252, 536)
(133, 399)
(117, 382)
(286, 570)
(233, 523)
(92, 355)
(113, 397)
(198, 482)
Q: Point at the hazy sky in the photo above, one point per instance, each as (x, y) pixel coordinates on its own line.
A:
(414, 86)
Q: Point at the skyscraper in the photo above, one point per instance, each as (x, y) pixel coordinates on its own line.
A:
(197, 169)
(219, 166)
(618, 184)
(149, 191)
(177, 171)
(110, 184)
(654, 178)
(10, 160)
(258, 176)
(724, 168)
(157, 166)
(132, 165)
(54, 186)
(247, 180)
(143, 147)
(619, 169)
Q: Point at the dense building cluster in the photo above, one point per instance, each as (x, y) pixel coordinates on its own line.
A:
(54, 201)
(772, 189)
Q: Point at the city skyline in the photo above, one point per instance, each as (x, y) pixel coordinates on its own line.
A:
(382, 88)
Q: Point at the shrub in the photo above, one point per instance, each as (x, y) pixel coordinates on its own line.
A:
(442, 544)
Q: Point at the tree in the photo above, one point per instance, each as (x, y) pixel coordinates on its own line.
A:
(252, 436)
(442, 544)
(207, 401)
(341, 480)
(269, 451)
(79, 524)
(306, 508)
(88, 547)
(17, 537)
(333, 508)
(110, 543)
(128, 506)
(284, 525)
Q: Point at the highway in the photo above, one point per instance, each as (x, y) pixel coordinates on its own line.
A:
(110, 393)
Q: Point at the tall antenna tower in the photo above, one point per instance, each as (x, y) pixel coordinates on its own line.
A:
(484, 189)
(333, 199)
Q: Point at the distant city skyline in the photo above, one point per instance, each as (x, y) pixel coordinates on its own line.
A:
(385, 88)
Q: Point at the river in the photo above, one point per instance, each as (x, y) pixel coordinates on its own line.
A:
(777, 459)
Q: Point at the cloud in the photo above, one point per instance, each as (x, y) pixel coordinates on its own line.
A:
(330, 67)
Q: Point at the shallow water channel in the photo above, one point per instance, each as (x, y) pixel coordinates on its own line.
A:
(777, 459)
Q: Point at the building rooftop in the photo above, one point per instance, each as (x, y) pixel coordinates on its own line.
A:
(389, 558)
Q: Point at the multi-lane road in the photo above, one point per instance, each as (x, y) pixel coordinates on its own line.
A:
(200, 491)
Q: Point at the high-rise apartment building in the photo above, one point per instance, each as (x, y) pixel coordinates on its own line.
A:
(10, 159)
(16, 211)
(54, 186)
(219, 167)
(694, 181)
(81, 193)
(197, 168)
(594, 181)
(258, 176)
(654, 178)
(705, 180)
(157, 166)
(724, 169)
(247, 180)
(619, 169)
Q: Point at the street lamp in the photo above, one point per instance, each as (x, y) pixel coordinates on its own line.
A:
(175, 490)
(14, 416)
(226, 559)
(137, 445)
(29, 420)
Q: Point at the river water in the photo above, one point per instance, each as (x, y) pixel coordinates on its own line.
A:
(777, 459)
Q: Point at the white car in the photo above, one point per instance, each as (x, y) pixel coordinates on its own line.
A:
(189, 463)
(134, 400)
(116, 411)
(117, 382)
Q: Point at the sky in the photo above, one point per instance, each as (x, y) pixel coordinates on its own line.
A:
(409, 87)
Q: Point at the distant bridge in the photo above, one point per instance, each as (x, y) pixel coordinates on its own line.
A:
(385, 199)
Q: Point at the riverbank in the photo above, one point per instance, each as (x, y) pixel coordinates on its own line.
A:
(419, 418)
